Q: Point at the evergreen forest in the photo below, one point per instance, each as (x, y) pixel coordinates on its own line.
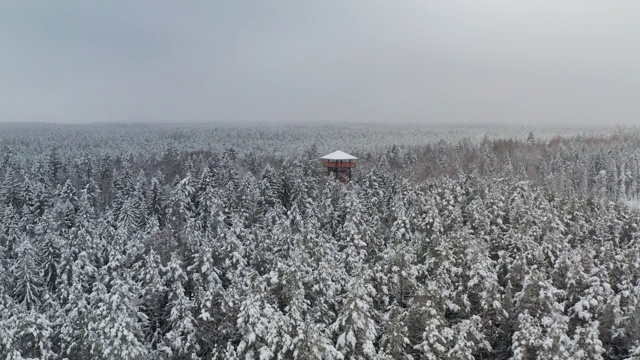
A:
(231, 242)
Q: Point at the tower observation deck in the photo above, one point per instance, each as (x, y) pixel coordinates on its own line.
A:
(340, 164)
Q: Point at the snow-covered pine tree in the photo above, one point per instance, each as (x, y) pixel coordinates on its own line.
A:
(355, 328)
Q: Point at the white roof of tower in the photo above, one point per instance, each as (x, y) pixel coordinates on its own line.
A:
(339, 155)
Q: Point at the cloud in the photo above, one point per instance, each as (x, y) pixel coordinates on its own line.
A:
(516, 62)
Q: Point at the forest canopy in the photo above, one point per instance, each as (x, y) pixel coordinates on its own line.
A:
(205, 242)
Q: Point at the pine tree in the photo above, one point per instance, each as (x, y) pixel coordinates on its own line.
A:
(309, 339)
(531, 139)
(156, 202)
(28, 283)
(12, 190)
(9, 231)
(398, 275)
(355, 326)
(254, 321)
(180, 338)
(207, 290)
(56, 167)
(586, 342)
(354, 228)
(51, 258)
(428, 326)
(117, 331)
(29, 334)
(542, 325)
(394, 334)
(469, 338)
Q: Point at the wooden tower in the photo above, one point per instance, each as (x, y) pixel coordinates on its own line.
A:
(340, 164)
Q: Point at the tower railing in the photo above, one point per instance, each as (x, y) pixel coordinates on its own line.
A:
(335, 164)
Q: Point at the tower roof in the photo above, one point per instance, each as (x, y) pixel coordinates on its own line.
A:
(339, 155)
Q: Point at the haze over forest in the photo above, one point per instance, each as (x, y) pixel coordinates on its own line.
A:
(514, 63)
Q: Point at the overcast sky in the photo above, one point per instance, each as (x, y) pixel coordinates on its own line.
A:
(512, 62)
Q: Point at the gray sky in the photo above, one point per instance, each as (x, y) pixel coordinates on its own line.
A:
(513, 62)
